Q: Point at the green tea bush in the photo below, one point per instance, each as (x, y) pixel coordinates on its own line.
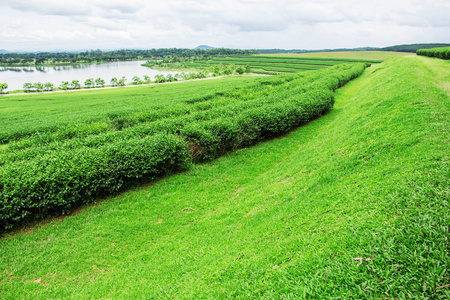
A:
(61, 180)
(442, 52)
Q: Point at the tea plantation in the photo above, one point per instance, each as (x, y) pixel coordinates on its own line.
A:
(343, 194)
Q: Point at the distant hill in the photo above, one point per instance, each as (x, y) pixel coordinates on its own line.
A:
(268, 51)
(203, 47)
(3, 51)
(413, 47)
(398, 48)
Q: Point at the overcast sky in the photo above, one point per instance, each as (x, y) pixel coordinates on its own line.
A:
(32, 25)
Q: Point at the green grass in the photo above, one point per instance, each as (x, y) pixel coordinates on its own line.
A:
(26, 114)
(284, 219)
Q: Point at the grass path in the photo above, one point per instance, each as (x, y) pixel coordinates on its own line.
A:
(283, 219)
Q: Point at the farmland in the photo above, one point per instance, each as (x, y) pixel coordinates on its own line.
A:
(353, 204)
(282, 63)
(108, 155)
(23, 115)
(353, 55)
(264, 64)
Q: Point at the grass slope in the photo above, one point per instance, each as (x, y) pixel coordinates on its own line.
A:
(283, 219)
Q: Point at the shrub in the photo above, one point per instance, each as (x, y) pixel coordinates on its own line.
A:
(442, 52)
(61, 180)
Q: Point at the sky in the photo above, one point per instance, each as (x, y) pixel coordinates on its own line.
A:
(49, 25)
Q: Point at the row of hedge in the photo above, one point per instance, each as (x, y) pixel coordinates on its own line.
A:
(442, 52)
(54, 176)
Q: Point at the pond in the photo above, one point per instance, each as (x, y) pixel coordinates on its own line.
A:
(15, 77)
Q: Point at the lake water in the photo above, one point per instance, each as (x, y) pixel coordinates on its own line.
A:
(15, 77)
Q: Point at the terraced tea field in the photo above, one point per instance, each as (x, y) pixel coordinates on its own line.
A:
(265, 64)
(351, 205)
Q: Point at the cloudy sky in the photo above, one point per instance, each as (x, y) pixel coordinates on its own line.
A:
(32, 25)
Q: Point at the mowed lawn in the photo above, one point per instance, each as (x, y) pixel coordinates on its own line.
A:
(352, 205)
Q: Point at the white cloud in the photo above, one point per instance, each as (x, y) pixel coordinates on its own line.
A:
(44, 24)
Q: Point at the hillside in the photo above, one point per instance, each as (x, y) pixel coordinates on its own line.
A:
(203, 47)
(414, 47)
(352, 205)
(397, 48)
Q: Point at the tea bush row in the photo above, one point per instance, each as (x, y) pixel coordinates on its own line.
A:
(58, 181)
(442, 52)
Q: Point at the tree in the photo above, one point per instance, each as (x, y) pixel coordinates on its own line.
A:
(3, 86)
(38, 86)
(75, 84)
(88, 83)
(114, 81)
(122, 81)
(137, 80)
(160, 78)
(64, 85)
(27, 87)
(147, 79)
(99, 82)
(170, 78)
(48, 86)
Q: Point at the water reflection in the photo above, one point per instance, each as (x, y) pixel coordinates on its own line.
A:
(41, 69)
(11, 69)
(15, 77)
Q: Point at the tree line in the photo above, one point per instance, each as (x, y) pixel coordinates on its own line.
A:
(91, 83)
(92, 56)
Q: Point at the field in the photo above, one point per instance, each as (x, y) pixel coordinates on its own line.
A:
(354, 55)
(23, 115)
(107, 156)
(273, 64)
(351, 205)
